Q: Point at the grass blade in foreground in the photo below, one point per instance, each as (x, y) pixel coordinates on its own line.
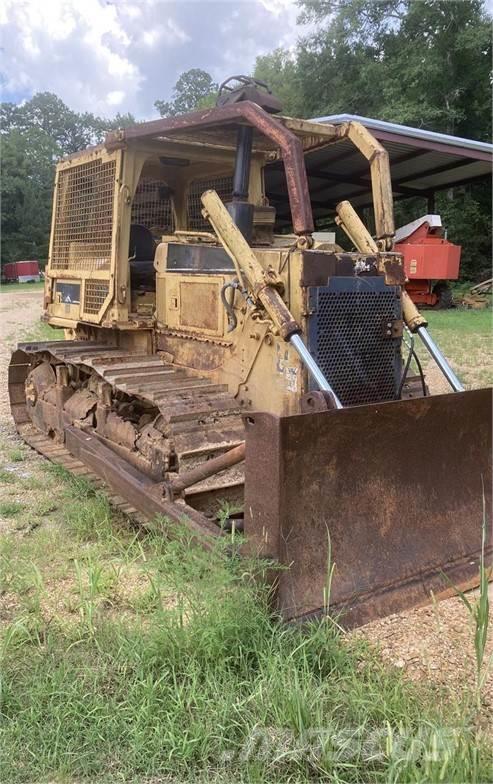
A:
(176, 668)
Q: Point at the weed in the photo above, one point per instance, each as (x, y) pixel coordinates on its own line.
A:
(16, 455)
(94, 585)
(7, 477)
(88, 513)
(10, 508)
(90, 519)
(214, 688)
(227, 511)
(479, 610)
(46, 506)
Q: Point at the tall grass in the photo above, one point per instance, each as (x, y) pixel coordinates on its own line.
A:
(479, 611)
(209, 686)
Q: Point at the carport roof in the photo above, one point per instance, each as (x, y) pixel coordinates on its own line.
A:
(421, 162)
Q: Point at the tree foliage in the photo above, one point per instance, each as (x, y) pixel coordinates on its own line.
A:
(280, 71)
(193, 90)
(423, 63)
(34, 136)
(27, 184)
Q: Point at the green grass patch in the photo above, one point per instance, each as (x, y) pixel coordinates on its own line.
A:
(17, 455)
(42, 331)
(7, 477)
(15, 288)
(10, 508)
(87, 511)
(466, 338)
(460, 321)
(202, 683)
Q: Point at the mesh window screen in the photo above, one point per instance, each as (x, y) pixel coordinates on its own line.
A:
(151, 206)
(95, 294)
(82, 236)
(224, 188)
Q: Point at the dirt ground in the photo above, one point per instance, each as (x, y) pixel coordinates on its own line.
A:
(18, 313)
(433, 643)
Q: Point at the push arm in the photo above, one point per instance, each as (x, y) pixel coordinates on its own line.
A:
(263, 285)
(350, 222)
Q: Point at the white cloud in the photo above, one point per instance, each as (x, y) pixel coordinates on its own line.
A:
(99, 54)
(115, 97)
(177, 32)
(151, 37)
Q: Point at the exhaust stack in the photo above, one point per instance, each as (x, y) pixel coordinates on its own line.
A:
(234, 90)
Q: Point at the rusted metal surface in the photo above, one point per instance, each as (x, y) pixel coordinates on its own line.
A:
(290, 145)
(169, 421)
(392, 266)
(317, 400)
(208, 468)
(120, 467)
(396, 486)
(139, 490)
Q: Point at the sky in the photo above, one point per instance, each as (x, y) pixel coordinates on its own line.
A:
(120, 56)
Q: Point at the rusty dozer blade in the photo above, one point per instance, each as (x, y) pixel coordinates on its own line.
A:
(397, 489)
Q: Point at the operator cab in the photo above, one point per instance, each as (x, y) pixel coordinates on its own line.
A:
(166, 204)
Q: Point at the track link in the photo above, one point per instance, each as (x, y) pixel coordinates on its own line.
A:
(58, 454)
(201, 419)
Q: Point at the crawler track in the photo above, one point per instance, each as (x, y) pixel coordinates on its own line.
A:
(59, 455)
(197, 420)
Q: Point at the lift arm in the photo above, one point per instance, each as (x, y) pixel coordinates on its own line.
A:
(264, 286)
(381, 184)
(351, 223)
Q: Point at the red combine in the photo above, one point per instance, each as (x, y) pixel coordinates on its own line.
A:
(430, 260)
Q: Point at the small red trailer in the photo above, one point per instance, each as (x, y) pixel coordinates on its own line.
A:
(430, 260)
(21, 271)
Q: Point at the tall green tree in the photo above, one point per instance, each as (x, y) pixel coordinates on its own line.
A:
(34, 136)
(438, 68)
(194, 89)
(424, 63)
(26, 192)
(279, 70)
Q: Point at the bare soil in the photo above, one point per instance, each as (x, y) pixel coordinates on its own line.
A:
(18, 312)
(433, 643)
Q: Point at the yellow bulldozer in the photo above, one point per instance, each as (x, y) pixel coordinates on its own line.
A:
(212, 362)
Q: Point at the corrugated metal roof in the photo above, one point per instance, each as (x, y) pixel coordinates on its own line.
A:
(407, 130)
(421, 163)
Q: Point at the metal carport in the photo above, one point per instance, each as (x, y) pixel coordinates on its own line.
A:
(422, 163)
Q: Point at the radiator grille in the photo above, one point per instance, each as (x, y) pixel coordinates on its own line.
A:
(95, 294)
(347, 339)
(151, 206)
(82, 235)
(224, 188)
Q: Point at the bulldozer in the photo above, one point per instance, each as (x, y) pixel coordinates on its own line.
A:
(219, 372)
